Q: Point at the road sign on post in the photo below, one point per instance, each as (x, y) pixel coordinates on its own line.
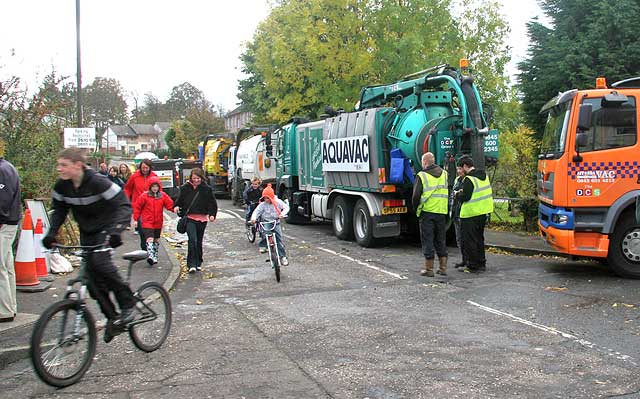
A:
(80, 137)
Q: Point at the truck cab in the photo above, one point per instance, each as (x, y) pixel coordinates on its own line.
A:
(588, 178)
(214, 157)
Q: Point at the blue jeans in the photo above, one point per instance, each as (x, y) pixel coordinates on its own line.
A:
(278, 233)
(195, 233)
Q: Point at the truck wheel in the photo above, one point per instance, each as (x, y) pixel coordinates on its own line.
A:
(293, 217)
(236, 186)
(363, 224)
(624, 248)
(342, 218)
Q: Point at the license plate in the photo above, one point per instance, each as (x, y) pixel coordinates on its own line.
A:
(387, 210)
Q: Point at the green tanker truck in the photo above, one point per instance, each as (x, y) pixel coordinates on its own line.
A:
(357, 169)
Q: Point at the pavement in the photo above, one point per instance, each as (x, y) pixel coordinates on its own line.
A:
(14, 336)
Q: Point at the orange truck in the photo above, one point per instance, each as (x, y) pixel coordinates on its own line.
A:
(589, 175)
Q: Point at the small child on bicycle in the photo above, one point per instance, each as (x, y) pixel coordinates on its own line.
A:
(271, 209)
(251, 196)
(148, 209)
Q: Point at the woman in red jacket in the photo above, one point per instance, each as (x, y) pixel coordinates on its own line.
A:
(148, 209)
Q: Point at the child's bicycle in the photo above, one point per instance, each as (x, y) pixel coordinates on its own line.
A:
(250, 228)
(268, 229)
(63, 341)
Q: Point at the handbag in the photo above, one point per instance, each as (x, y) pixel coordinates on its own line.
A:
(181, 227)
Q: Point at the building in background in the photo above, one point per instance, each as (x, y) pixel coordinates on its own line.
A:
(132, 138)
(237, 119)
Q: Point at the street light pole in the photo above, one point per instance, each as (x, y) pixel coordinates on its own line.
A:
(79, 67)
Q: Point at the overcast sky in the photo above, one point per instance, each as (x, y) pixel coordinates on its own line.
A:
(154, 45)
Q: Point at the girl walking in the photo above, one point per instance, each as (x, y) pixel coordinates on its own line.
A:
(148, 210)
(197, 202)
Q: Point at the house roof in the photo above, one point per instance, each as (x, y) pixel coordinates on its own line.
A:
(141, 129)
(162, 126)
(122, 130)
(134, 129)
(236, 111)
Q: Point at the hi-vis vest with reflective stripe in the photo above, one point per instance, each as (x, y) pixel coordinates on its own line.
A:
(435, 194)
(481, 202)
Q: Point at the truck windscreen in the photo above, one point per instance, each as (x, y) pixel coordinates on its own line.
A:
(555, 131)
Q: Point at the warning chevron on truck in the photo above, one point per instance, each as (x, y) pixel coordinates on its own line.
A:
(348, 154)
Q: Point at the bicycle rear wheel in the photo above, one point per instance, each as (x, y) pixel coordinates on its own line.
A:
(61, 353)
(149, 331)
(251, 232)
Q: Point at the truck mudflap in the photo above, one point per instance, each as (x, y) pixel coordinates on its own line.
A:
(386, 226)
(579, 243)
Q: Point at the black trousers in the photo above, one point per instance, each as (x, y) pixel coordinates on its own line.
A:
(103, 277)
(433, 234)
(195, 233)
(473, 241)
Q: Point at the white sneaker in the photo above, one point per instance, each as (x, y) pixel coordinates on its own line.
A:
(192, 270)
(263, 250)
(284, 261)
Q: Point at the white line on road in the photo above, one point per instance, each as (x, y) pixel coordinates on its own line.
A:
(361, 263)
(233, 213)
(555, 331)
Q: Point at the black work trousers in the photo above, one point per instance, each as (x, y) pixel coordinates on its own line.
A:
(103, 277)
(433, 228)
(473, 241)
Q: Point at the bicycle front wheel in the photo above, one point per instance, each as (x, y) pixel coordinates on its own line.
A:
(251, 232)
(275, 261)
(63, 343)
(151, 328)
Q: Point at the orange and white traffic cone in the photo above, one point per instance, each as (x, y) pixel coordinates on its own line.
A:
(41, 262)
(25, 261)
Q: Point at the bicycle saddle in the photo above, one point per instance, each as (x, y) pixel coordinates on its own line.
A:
(135, 255)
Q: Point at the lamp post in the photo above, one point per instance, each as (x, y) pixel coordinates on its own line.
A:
(78, 67)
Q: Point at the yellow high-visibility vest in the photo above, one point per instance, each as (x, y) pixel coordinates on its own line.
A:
(435, 193)
(481, 202)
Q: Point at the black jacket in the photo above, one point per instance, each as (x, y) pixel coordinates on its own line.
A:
(467, 185)
(97, 205)
(435, 171)
(10, 202)
(205, 204)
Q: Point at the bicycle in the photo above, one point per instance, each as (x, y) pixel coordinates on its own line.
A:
(66, 330)
(268, 229)
(250, 229)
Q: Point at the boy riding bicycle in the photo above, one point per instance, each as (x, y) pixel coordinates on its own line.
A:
(271, 209)
(102, 211)
(251, 196)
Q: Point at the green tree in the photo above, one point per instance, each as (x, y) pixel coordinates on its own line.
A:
(586, 39)
(308, 54)
(152, 110)
(104, 105)
(29, 134)
(184, 97)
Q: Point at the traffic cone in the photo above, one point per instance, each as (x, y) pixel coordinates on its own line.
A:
(25, 262)
(41, 261)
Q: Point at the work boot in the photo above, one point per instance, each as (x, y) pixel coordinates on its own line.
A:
(442, 269)
(428, 268)
(460, 264)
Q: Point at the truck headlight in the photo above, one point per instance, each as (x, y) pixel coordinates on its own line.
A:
(559, 219)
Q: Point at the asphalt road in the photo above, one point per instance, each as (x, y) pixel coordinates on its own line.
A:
(350, 322)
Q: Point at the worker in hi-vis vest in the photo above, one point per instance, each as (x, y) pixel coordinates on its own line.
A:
(477, 204)
(431, 201)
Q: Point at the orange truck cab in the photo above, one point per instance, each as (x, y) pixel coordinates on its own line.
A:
(589, 175)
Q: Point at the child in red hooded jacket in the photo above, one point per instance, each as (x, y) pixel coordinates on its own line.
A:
(148, 208)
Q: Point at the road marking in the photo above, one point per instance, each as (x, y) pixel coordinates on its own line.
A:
(232, 212)
(555, 331)
(361, 263)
